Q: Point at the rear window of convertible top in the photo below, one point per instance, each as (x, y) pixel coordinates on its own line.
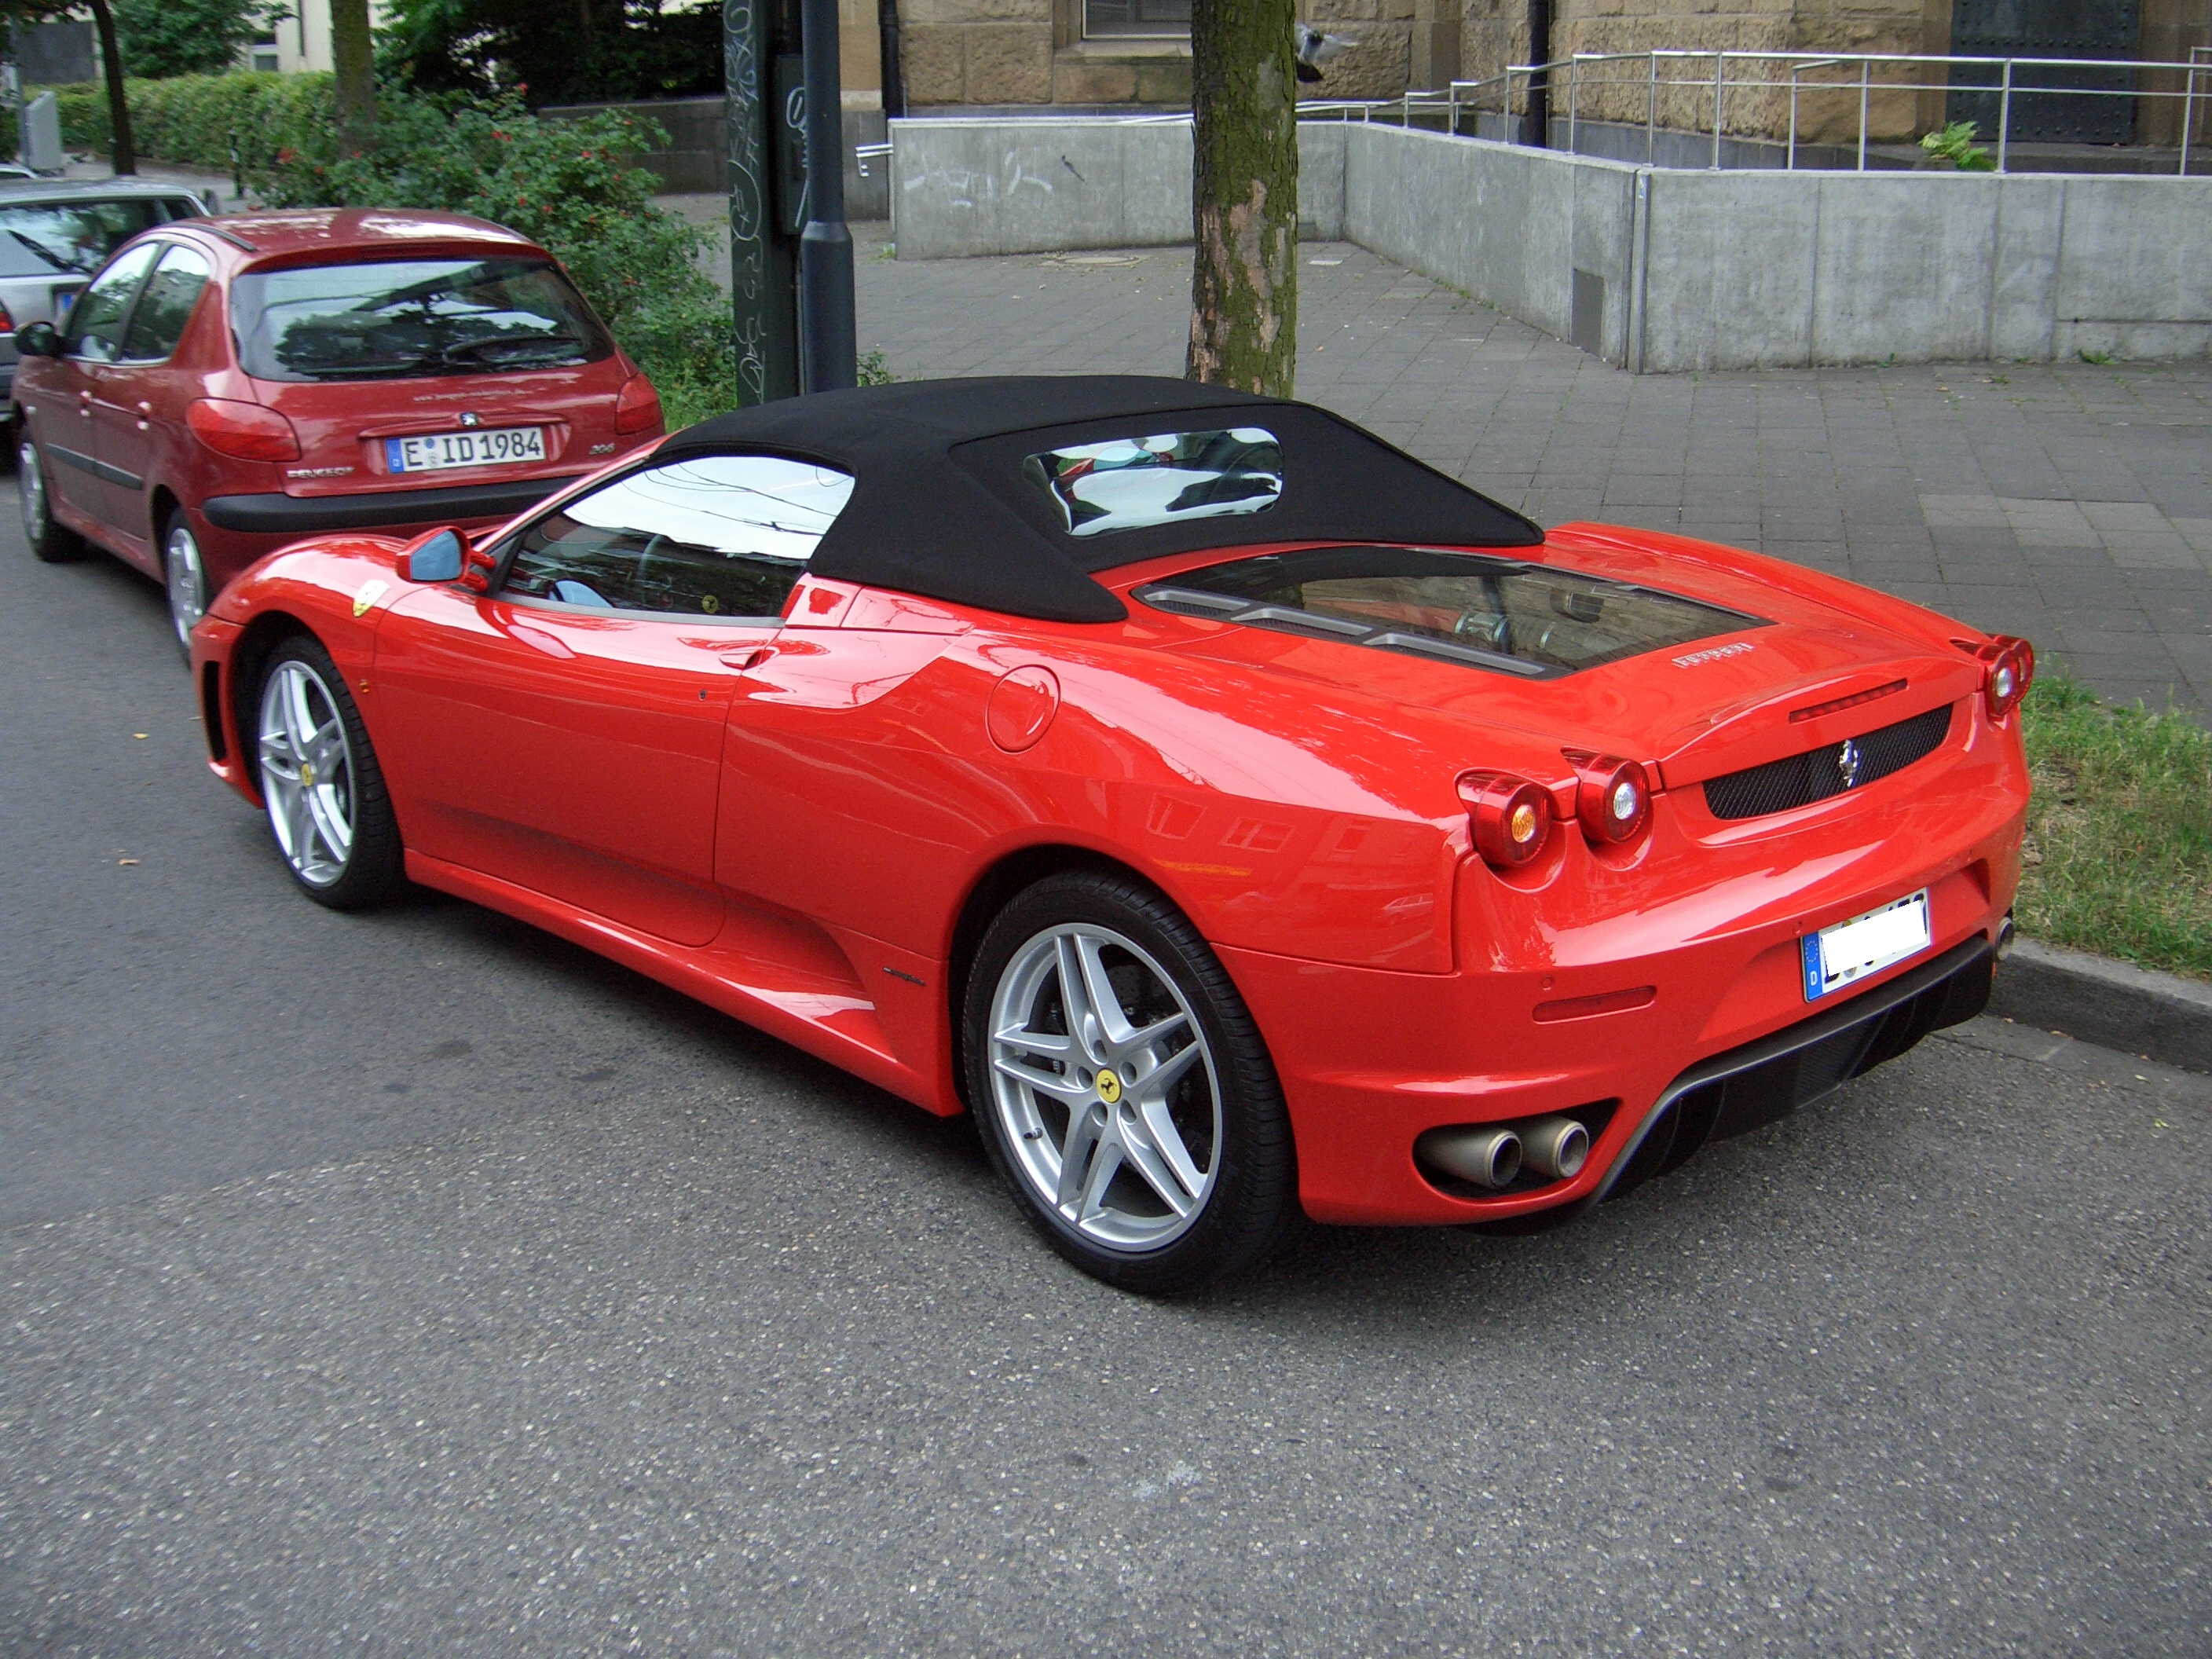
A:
(1503, 614)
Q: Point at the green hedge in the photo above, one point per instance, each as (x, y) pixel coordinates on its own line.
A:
(195, 120)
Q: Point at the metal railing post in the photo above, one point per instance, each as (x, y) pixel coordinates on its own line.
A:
(2004, 117)
(1791, 165)
(2188, 109)
(1574, 92)
(1720, 72)
(1866, 73)
(1651, 109)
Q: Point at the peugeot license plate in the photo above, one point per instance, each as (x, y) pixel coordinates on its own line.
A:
(508, 445)
(1841, 955)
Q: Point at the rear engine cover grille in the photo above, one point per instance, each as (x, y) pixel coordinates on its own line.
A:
(1801, 780)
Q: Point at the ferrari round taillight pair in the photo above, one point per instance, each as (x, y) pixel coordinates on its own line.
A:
(1511, 817)
(2011, 671)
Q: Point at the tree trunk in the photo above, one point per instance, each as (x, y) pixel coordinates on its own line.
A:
(1244, 196)
(123, 153)
(353, 63)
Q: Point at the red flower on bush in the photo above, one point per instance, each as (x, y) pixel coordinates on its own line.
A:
(286, 156)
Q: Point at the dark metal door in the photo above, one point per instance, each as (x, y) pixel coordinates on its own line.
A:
(2046, 28)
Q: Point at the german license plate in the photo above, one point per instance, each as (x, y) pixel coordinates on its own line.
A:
(511, 445)
(1841, 955)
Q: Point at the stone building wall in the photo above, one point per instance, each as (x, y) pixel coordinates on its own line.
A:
(998, 53)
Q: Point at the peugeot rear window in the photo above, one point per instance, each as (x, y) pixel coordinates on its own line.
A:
(1507, 615)
(395, 319)
(1165, 477)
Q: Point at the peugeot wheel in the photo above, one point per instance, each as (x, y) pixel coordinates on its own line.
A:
(50, 543)
(319, 780)
(187, 580)
(1123, 1090)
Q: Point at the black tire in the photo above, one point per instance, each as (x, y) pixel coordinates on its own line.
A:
(50, 543)
(1225, 1102)
(343, 784)
(186, 578)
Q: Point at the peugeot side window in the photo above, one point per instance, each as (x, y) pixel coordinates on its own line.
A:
(165, 305)
(97, 320)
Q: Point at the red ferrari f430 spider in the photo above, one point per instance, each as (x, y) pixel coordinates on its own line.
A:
(1231, 812)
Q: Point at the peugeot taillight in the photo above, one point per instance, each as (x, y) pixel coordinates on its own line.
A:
(1510, 818)
(637, 406)
(1612, 798)
(7, 322)
(245, 432)
(2010, 670)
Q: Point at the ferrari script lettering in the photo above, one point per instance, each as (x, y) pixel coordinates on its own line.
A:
(1716, 652)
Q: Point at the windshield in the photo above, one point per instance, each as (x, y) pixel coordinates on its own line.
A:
(74, 239)
(1488, 612)
(402, 317)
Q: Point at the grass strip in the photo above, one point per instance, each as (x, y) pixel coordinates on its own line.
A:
(2118, 855)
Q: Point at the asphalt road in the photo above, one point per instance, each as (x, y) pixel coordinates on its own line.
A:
(416, 1284)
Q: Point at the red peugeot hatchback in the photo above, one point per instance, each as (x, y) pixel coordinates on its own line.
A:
(226, 385)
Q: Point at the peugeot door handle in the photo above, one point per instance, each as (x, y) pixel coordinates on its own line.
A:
(84, 404)
(145, 415)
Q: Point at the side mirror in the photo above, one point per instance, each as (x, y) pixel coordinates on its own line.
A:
(38, 340)
(436, 557)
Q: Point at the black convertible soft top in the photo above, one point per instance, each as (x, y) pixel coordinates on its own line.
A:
(939, 507)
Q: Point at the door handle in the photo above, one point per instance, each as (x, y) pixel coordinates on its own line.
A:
(84, 404)
(145, 415)
(742, 660)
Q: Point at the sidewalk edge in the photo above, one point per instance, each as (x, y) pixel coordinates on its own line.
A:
(2114, 1004)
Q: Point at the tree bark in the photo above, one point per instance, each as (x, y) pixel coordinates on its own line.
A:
(1244, 196)
(122, 151)
(353, 63)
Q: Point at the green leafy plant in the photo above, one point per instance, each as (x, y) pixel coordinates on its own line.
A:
(2118, 856)
(566, 185)
(1955, 145)
(216, 121)
(2100, 358)
(162, 38)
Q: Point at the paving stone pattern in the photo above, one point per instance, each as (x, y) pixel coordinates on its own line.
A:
(2070, 502)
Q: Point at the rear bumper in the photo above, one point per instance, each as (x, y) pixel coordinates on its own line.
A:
(306, 515)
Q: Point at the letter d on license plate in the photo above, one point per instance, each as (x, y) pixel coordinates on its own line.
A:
(1837, 957)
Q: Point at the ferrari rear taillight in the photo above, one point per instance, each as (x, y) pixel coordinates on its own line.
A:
(245, 432)
(1612, 798)
(637, 406)
(1511, 817)
(2011, 671)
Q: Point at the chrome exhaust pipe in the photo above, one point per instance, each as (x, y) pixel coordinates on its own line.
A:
(2004, 936)
(1487, 1157)
(1555, 1146)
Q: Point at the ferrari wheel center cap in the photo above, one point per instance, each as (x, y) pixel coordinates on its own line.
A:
(1109, 1087)
(307, 777)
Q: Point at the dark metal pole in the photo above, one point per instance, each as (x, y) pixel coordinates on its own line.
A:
(763, 249)
(830, 358)
(1537, 130)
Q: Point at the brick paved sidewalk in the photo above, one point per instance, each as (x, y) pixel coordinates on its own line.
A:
(2071, 503)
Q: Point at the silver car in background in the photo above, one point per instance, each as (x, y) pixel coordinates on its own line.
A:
(55, 234)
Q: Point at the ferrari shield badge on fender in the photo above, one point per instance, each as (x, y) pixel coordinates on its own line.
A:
(369, 595)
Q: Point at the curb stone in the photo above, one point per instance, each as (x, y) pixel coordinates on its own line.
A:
(2115, 1005)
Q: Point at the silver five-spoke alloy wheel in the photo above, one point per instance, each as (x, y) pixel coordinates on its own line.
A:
(181, 556)
(1105, 1086)
(307, 772)
(31, 485)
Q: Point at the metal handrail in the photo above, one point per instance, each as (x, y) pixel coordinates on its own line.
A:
(1727, 76)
